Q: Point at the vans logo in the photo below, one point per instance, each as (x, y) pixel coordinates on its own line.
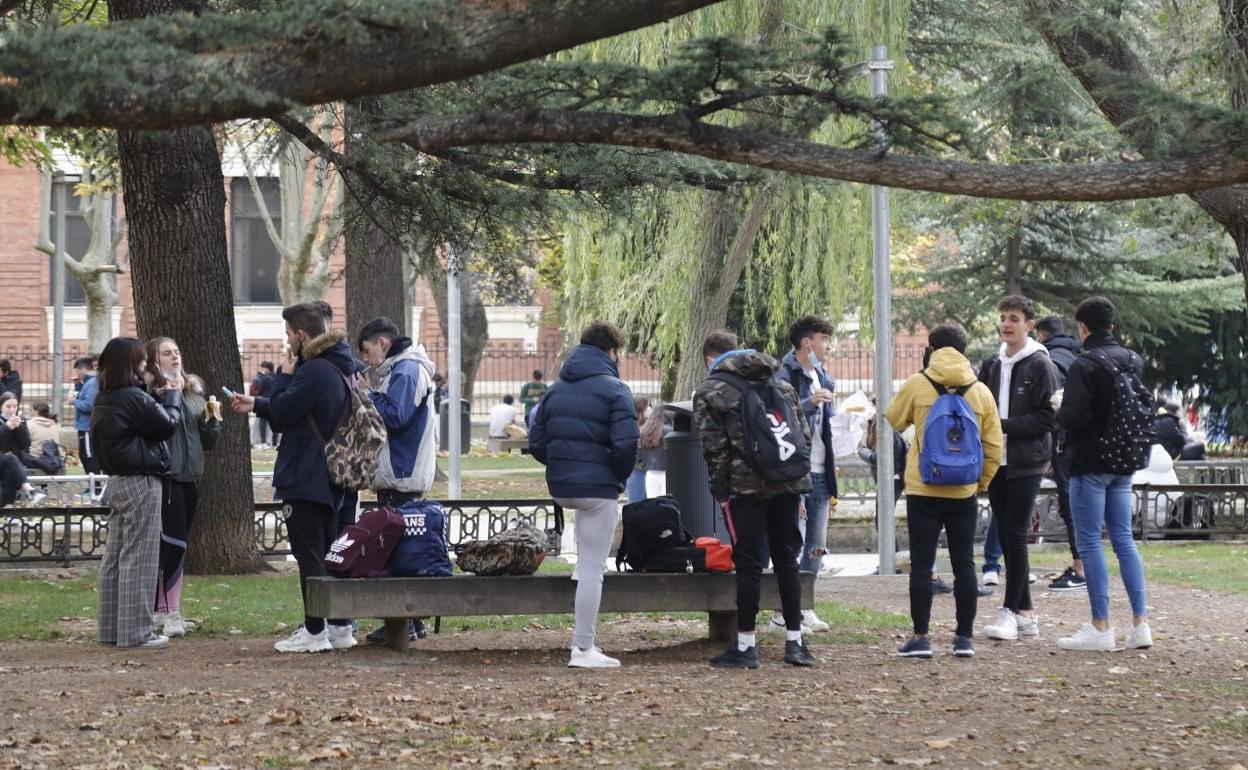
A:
(780, 429)
(415, 525)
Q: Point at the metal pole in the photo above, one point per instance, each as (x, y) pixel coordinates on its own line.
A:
(454, 380)
(58, 304)
(879, 66)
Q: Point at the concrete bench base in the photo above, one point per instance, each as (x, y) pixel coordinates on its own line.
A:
(498, 445)
(397, 599)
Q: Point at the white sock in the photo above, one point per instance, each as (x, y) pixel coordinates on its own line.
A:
(745, 641)
(793, 636)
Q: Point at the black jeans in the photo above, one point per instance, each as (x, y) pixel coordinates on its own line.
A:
(751, 521)
(311, 528)
(1061, 478)
(925, 517)
(12, 477)
(1013, 501)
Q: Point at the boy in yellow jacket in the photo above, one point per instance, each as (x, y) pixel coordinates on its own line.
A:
(931, 507)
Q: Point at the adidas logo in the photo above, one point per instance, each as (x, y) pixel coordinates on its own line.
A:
(341, 544)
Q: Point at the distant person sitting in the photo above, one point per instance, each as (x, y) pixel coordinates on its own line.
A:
(531, 392)
(1171, 432)
(46, 454)
(503, 420)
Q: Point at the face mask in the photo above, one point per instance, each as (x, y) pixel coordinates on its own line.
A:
(810, 356)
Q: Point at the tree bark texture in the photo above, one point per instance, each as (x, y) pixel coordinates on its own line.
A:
(163, 75)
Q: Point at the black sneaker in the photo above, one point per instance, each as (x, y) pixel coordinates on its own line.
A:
(983, 590)
(917, 647)
(963, 647)
(735, 658)
(796, 653)
(1068, 581)
(941, 587)
(415, 630)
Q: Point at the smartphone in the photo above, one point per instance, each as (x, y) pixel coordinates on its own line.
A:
(228, 393)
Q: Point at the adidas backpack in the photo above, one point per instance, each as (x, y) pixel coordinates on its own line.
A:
(775, 446)
(364, 548)
(353, 452)
(952, 454)
(1127, 440)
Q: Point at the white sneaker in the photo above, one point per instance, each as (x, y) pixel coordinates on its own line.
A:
(302, 641)
(1140, 638)
(591, 658)
(811, 620)
(36, 497)
(1031, 578)
(1089, 639)
(777, 622)
(992, 578)
(1028, 627)
(341, 637)
(174, 625)
(1004, 627)
(158, 621)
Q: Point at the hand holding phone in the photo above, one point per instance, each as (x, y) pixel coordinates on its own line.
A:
(228, 393)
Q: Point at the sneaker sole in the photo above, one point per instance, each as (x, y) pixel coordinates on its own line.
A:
(750, 666)
(318, 649)
(1000, 637)
(583, 665)
(963, 653)
(924, 655)
(1068, 589)
(343, 645)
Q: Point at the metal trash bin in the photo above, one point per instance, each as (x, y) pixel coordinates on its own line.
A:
(687, 477)
(465, 426)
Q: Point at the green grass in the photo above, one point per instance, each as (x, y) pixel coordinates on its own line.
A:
(1219, 567)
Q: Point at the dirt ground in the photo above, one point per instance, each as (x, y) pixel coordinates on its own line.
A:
(507, 700)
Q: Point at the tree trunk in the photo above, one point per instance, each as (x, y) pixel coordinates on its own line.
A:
(175, 208)
(374, 273)
(474, 327)
(100, 297)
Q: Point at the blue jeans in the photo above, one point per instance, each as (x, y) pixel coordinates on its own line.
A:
(1105, 498)
(815, 525)
(635, 487)
(992, 547)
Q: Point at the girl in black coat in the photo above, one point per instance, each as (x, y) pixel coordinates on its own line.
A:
(14, 441)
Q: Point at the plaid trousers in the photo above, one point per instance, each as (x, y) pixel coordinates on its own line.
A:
(131, 563)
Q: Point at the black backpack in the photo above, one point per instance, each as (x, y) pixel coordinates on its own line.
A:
(650, 526)
(1128, 437)
(775, 446)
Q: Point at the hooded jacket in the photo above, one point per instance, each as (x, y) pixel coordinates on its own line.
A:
(585, 430)
(194, 436)
(404, 399)
(129, 430)
(1063, 350)
(797, 377)
(915, 399)
(84, 401)
(1087, 399)
(1170, 433)
(43, 429)
(1027, 416)
(316, 392)
(717, 413)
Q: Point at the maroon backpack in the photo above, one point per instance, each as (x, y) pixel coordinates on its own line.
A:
(363, 548)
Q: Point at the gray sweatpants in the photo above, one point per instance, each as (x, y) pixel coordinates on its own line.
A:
(594, 530)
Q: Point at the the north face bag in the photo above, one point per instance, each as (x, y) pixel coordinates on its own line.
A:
(774, 445)
(649, 526)
(517, 551)
(952, 454)
(363, 548)
(353, 453)
(1127, 440)
(422, 550)
(705, 555)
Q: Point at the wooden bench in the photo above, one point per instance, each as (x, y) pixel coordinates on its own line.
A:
(397, 599)
(498, 445)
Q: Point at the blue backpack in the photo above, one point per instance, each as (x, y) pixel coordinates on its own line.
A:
(422, 551)
(952, 454)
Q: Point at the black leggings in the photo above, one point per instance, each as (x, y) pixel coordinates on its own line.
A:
(752, 523)
(311, 528)
(925, 517)
(1013, 501)
(176, 514)
(1061, 479)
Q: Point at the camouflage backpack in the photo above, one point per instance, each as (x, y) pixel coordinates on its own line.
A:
(517, 551)
(353, 453)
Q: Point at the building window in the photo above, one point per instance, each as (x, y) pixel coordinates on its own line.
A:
(254, 258)
(77, 240)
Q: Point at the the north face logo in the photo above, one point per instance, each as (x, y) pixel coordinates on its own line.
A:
(780, 429)
(341, 544)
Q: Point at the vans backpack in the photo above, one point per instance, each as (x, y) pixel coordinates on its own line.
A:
(1127, 440)
(952, 454)
(650, 526)
(775, 444)
(363, 548)
(422, 550)
(705, 555)
(353, 453)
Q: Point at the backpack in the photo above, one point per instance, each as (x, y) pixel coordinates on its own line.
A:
(50, 461)
(353, 453)
(952, 454)
(649, 527)
(705, 555)
(422, 551)
(1127, 440)
(363, 548)
(517, 551)
(775, 445)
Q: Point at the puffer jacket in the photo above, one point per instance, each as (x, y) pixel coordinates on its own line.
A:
(129, 430)
(316, 392)
(585, 431)
(404, 399)
(717, 413)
